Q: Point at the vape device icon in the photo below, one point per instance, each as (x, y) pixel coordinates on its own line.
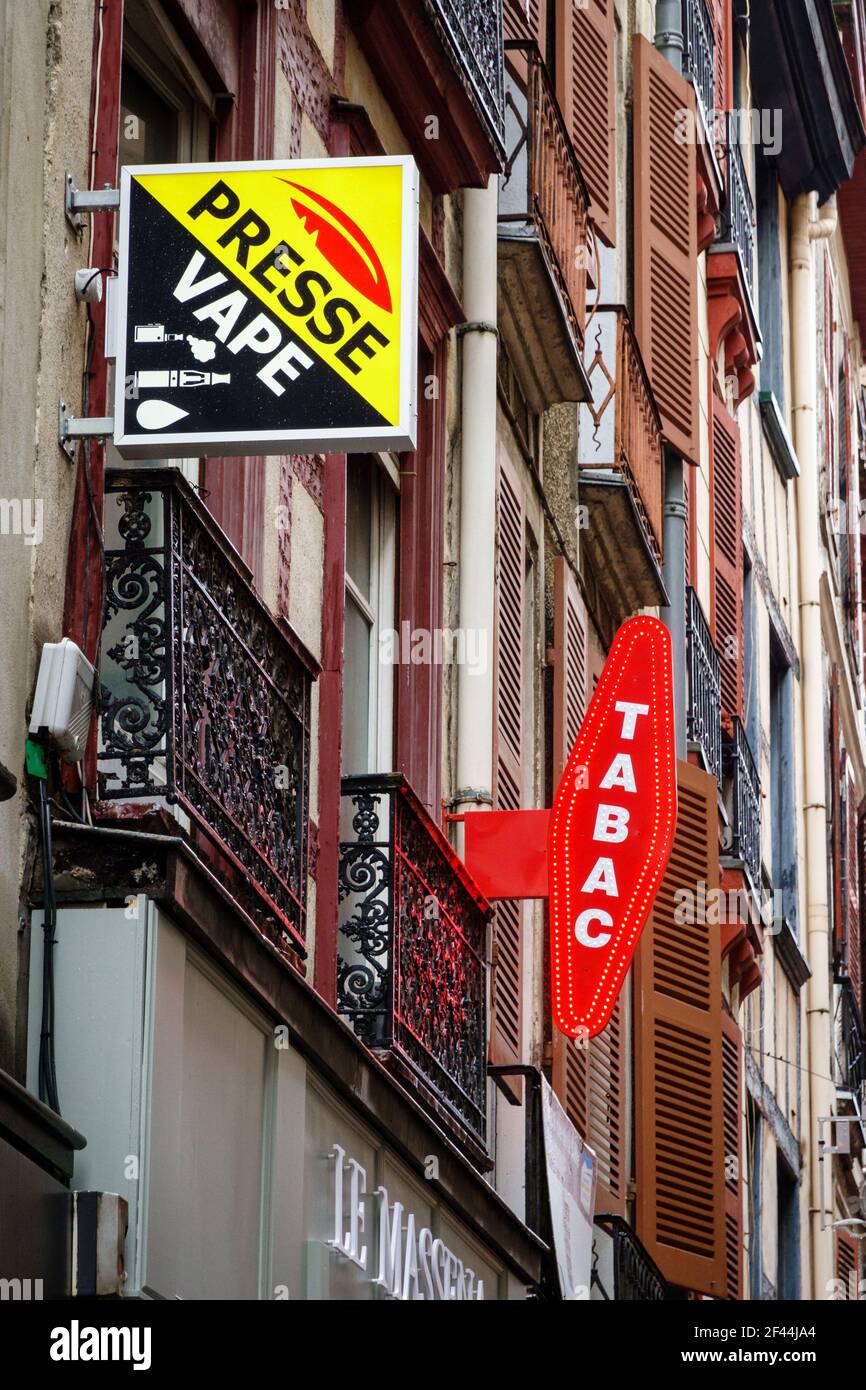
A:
(155, 333)
(186, 377)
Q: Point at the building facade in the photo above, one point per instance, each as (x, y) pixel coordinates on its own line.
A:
(248, 982)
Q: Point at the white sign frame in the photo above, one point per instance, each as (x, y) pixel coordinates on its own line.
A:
(398, 438)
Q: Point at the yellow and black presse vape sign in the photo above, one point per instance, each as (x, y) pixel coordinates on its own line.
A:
(267, 307)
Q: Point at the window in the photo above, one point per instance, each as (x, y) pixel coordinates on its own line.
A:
(770, 300)
(165, 118)
(371, 645)
(782, 782)
(788, 1227)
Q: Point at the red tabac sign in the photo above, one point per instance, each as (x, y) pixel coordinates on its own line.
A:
(611, 828)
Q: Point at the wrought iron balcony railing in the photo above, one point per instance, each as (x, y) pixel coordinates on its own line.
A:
(623, 431)
(473, 33)
(704, 716)
(543, 187)
(737, 226)
(745, 802)
(636, 1277)
(850, 1045)
(205, 696)
(411, 973)
(699, 59)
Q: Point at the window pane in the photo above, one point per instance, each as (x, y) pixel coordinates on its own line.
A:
(356, 691)
(148, 125)
(360, 475)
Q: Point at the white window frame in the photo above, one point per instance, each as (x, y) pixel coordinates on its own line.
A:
(380, 613)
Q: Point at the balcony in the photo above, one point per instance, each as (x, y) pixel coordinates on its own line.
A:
(745, 803)
(411, 975)
(439, 64)
(543, 255)
(205, 699)
(732, 316)
(624, 1271)
(621, 469)
(850, 1047)
(704, 715)
(699, 58)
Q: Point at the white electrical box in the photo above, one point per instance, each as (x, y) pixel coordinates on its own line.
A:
(63, 701)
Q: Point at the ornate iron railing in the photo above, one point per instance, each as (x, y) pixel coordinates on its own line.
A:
(850, 1044)
(473, 34)
(699, 59)
(625, 433)
(738, 216)
(411, 971)
(205, 696)
(745, 802)
(704, 716)
(636, 1277)
(543, 184)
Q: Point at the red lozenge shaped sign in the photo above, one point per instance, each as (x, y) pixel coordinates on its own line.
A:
(611, 828)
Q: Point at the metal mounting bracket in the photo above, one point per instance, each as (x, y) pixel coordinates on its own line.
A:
(77, 201)
(70, 429)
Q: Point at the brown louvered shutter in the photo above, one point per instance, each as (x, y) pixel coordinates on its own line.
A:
(719, 21)
(679, 1140)
(848, 1266)
(727, 534)
(590, 1079)
(666, 244)
(569, 664)
(733, 1128)
(526, 19)
(586, 90)
(506, 971)
(852, 891)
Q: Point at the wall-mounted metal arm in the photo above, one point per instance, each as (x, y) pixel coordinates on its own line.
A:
(70, 428)
(78, 201)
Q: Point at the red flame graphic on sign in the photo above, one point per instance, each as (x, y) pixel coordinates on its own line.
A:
(344, 246)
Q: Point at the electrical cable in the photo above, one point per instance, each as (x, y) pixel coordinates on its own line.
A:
(47, 1069)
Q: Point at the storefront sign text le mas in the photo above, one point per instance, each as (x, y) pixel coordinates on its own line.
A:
(600, 854)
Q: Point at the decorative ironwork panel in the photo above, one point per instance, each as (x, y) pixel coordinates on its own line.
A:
(850, 1044)
(699, 61)
(704, 721)
(473, 32)
(636, 1277)
(411, 973)
(738, 216)
(205, 696)
(623, 430)
(745, 803)
(543, 186)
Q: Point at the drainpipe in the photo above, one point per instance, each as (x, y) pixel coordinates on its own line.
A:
(804, 230)
(669, 32)
(477, 496)
(674, 616)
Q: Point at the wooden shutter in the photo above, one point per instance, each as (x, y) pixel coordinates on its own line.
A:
(506, 971)
(666, 244)
(848, 1266)
(852, 891)
(733, 1130)
(719, 15)
(590, 1079)
(569, 664)
(526, 19)
(678, 1059)
(727, 535)
(586, 89)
